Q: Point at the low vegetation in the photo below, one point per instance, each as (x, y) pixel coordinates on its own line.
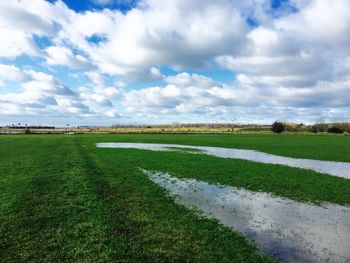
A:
(278, 127)
(200, 128)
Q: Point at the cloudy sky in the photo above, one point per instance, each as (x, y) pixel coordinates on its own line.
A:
(151, 61)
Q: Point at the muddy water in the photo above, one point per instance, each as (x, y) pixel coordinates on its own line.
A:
(340, 169)
(288, 230)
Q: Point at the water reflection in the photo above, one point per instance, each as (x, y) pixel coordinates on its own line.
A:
(288, 230)
(340, 169)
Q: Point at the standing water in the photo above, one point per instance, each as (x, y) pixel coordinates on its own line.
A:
(287, 230)
(340, 169)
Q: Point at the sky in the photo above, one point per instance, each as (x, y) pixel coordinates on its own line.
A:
(105, 62)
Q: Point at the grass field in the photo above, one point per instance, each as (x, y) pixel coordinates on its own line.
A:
(64, 200)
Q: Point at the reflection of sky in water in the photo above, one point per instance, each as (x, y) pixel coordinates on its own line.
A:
(288, 230)
(340, 169)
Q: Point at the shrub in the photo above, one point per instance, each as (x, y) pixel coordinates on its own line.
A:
(27, 131)
(322, 127)
(314, 129)
(291, 127)
(277, 127)
(345, 126)
(319, 127)
(335, 129)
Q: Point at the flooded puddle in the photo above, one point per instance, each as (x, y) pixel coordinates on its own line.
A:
(340, 169)
(288, 230)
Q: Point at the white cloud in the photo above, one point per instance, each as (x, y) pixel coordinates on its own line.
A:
(321, 22)
(298, 70)
(14, 17)
(10, 73)
(295, 60)
(186, 80)
(180, 34)
(198, 95)
(42, 95)
(20, 20)
(299, 49)
(185, 93)
(333, 94)
(100, 100)
(15, 43)
(100, 97)
(64, 56)
(96, 78)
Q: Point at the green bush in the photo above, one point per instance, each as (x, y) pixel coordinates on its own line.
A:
(335, 129)
(314, 129)
(277, 127)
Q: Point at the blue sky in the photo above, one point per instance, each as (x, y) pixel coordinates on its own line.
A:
(103, 62)
(81, 6)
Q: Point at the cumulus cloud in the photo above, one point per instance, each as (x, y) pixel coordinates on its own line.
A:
(321, 23)
(44, 95)
(185, 93)
(15, 17)
(15, 43)
(300, 49)
(180, 34)
(289, 61)
(100, 99)
(276, 58)
(195, 94)
(20, 21)
(10, 73)
(64, 56)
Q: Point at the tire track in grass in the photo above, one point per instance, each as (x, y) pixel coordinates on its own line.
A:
(57, 217)
(72, 207)
(153, 227)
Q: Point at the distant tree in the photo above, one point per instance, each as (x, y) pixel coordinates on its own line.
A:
(321, 124)
(314, 129)
(277, 127)
(27, 131)
(335, 129)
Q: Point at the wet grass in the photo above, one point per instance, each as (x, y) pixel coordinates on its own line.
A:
(180, 149)
(64, 200)
(293, 183)
(297, 184)
(320, 147)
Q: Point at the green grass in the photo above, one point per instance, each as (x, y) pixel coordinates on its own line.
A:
(297, 184)
(321, 147)
(64, 200)
(180, 149)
